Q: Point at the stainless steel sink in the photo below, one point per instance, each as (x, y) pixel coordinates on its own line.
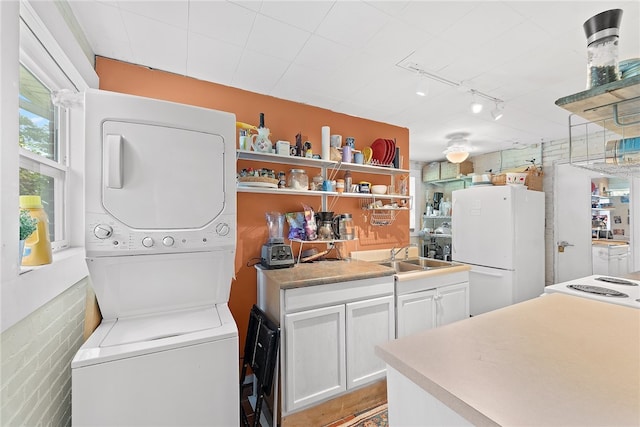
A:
(416, 264)
(429, 263)
(401, 266)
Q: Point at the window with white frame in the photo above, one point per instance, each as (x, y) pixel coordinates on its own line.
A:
(43, 134)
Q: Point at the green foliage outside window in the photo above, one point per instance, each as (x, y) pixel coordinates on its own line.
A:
(28, 224)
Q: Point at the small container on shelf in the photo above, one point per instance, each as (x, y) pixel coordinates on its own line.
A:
(298, 180)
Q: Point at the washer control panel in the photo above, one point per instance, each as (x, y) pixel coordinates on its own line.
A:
(106, 236)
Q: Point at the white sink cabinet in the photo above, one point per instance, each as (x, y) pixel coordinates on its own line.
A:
(428, 302)
(328, 336)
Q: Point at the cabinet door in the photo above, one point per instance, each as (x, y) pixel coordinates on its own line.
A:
(452, 303)
(416, 312)
(315, 355)
(369, 323)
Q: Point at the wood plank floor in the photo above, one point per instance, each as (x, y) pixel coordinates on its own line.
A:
(246, 392)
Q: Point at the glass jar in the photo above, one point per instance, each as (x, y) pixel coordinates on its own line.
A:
(602, 65)
(298, 180)
(602, 47)
(316, 183)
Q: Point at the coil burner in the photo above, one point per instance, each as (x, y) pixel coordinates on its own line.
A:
(598, 291)
(616, 281)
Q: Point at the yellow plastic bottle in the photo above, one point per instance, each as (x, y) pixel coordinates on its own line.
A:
(38, 242)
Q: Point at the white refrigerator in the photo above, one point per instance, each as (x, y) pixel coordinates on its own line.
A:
(499, 232)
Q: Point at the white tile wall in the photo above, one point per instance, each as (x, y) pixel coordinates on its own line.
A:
(35, 355)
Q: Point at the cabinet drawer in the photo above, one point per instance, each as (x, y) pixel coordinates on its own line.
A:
(426, 283)
(335, 293)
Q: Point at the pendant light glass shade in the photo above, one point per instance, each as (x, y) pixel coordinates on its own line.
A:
(457, 155)
(458, 147)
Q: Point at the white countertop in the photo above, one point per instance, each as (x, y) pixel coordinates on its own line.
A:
(556, 360)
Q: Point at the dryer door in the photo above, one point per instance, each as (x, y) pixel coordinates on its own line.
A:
(158, 177)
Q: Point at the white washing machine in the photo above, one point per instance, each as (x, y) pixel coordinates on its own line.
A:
(160, 238)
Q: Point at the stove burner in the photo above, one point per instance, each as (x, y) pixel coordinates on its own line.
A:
(616, 281)
(598, 291)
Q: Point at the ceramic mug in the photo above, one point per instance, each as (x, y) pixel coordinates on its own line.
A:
(358, 158)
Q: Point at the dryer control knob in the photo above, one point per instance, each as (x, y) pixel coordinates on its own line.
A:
(168, 241)
(222, 229)
(147, 242)
(103, 231)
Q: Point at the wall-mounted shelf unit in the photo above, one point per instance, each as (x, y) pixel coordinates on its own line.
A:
(328, 168)
(600, 116)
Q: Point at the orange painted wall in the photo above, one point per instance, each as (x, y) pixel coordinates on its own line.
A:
(284, 119)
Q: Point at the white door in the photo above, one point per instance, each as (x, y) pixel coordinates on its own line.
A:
(416, 312)
(572, 222)
(315, 365)
(452, 303)
(369, 323)
(482, 226)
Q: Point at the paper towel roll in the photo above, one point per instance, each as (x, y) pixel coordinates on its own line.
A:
(326, 143)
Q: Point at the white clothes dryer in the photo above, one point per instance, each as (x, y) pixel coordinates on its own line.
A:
(160, 222)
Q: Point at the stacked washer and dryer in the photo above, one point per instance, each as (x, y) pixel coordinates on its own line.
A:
(160, 227)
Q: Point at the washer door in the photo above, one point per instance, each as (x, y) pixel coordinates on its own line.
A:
(158, 177)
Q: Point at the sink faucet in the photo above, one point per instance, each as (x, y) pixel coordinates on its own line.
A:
(395, 251)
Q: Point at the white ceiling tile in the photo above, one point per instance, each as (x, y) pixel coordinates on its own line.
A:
(258, 72)
(483, 23)
(101, 23)
(253, 5)
(172, 12)
(352, 23)
(155, 44)
(305, 15)
(322, 54)
(396, 40)
(221, 20)
(392, 8)
(435, 16)
(212, 60)
(276, 39)
(512, 46)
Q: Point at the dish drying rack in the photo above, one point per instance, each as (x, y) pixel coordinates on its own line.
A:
(379, 215)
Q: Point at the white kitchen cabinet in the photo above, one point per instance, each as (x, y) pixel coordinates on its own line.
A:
(328, 335)
(429, 302)
(611, 260)
(452, 303)
(315, 354)
(416, 312)
(369, 322)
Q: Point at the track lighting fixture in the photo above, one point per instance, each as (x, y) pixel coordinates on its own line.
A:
(422, 88)
(476, 106)
(498, 112)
